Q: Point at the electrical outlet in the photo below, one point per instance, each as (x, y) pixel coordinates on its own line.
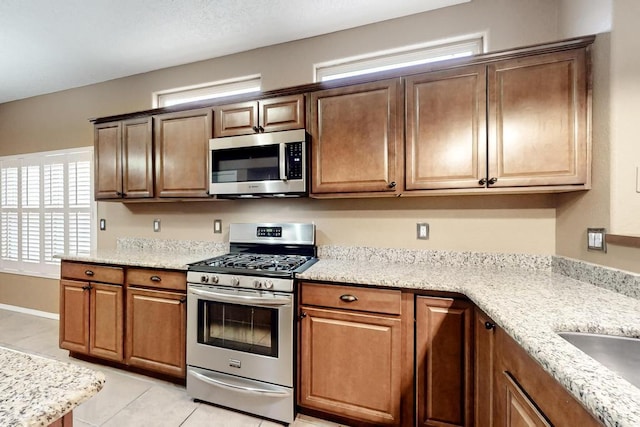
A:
(596, 239)
(103, 224)
(422, 231)
(156, 225)
(217, 226)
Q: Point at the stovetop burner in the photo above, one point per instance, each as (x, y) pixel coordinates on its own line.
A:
(257, 262)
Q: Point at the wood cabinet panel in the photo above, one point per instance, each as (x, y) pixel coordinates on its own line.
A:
(107, 156)
(156, 331)
(520, 410)
(163, 279)
(137, 158)
(356, 135)
(352, 298)
(538, 120)
(484, 330)
(92, 272)
(283, 113)
(74, 316)
(446, 129)
(106, 322)
(181, 142)
(361, 380)
(444, 368)
(235, 119)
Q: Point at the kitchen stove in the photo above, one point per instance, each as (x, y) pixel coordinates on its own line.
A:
(240, 319)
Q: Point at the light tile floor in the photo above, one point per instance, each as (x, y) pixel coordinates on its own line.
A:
(127, 399)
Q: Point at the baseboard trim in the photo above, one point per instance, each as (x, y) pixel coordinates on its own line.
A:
(39, 313)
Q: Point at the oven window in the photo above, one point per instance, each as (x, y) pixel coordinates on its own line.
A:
(245, 164)
(238, 327)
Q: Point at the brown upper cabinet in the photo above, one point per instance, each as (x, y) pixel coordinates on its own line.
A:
(181, 151)
(124, 159)
(266, 115)
(356, 137)
(518, 123)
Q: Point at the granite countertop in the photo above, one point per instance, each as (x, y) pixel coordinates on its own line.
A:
(35, 391)
(531, 304)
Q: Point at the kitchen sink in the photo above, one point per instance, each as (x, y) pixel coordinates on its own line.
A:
(620, 354)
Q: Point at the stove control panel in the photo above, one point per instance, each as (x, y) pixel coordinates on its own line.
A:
(240, 281)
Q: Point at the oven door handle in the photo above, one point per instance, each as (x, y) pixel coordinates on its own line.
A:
(237, 387)
(241, 299)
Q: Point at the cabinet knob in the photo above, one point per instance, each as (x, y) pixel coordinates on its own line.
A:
(303, 315)
(256, 129)
(348, 298)
(489, 325)
(483, 181)
(260, 128)
(119, 194)
(89, 273)
(492, 181)
(182, 300)
(392, 184)
(87, 288)
(155, 278)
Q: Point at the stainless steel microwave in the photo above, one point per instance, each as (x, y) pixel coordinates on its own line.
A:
(272, 164)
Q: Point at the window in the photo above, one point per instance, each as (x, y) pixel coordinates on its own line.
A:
(46, 208)
(389, 60)
(212, 90)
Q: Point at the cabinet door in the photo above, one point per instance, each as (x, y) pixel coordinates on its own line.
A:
(74, 316)
(356, 133)
(538, 120)
(520, 410)
(236, 119)
(106, 322)
(443, 362)
(137, 158)
(282, 113)
(484, 329)
(181, 143)
(351, 365)
(156, 330)
(446, 129)
(107, 154)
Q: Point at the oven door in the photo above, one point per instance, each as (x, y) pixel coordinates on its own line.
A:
(241, 332)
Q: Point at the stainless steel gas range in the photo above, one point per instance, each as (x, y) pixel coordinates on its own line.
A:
(240, 319)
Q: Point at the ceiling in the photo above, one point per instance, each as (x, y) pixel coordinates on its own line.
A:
(48, 46)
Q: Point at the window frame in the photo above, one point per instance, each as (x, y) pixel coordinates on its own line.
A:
(46, 209)
(217, 89)
(400, 57)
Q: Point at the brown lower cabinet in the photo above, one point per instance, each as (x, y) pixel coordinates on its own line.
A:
(93, 315)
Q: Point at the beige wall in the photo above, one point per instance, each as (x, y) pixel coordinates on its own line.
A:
(500, 224)
(613, 202)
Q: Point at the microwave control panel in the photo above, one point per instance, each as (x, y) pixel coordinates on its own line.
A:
(294, 153)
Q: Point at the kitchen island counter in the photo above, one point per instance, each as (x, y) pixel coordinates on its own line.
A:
(36, 391)
(531, 303)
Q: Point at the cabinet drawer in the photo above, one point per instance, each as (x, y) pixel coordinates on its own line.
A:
(92, 272)
(351, 298)
(157, 278)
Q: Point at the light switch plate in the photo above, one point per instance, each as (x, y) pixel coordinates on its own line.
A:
(217, 226)
(422, 231)
(156, 225)
(596, 239)
(637, 179)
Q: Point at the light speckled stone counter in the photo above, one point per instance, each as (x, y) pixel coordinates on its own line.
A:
(35, 391)
(153, 253)
(530, 303)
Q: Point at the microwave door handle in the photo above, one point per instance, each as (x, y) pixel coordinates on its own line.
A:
(283, 162)
(241, 299)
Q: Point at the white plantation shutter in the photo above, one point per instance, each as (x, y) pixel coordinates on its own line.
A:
(46, 208)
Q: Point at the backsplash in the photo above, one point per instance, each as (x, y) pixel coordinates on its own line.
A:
(179, 246)
(620, 281)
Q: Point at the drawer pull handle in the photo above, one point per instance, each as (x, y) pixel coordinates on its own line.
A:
(89, 272)
(155, 278)
(348, 298)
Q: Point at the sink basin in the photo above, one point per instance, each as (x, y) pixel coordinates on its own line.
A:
(620, 354)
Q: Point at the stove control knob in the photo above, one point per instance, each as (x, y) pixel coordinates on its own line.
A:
(204, 278)
(268, 284)
(257, 284)
(214, 279)
(235, 281)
